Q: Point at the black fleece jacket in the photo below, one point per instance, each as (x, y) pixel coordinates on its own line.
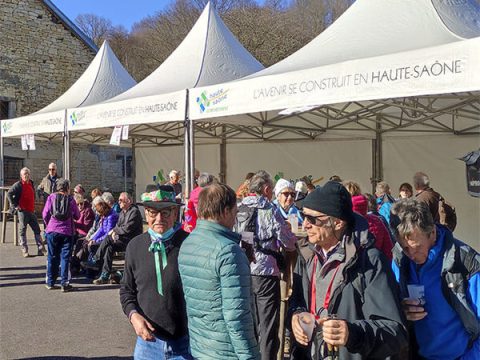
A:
(138, 291)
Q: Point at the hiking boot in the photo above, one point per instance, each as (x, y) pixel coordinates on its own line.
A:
(25, 253)
(67, 288)
(116, 277)
(91, 264)
(104, 278)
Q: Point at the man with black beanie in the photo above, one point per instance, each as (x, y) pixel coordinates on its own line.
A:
(345, 283)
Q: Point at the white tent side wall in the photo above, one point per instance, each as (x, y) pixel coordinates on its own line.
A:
(437, 157)
(349, 160)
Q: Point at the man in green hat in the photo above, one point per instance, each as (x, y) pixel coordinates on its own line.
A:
(151, 292)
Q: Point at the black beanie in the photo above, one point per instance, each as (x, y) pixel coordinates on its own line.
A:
(332, 199)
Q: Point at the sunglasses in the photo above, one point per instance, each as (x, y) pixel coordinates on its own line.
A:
(314, 219)
(287, 194)
(164, 212)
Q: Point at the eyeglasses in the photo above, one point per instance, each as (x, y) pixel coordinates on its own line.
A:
(164, 212)
(287, 194)
(313, 219)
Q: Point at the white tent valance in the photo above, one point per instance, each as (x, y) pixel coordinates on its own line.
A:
(50, 122)
(450, 68)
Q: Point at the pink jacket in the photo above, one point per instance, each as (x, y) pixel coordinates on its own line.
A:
(375, 225)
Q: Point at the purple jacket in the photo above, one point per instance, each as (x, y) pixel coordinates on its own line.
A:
(107, 223)
(85, 221)
(64, 227)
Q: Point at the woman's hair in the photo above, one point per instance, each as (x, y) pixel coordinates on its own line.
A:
(96, 192)
(79, 199)
(406, 186)
(352, 187)
(103, 208)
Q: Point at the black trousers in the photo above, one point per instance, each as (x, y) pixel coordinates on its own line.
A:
(266, 291)
(105, 252)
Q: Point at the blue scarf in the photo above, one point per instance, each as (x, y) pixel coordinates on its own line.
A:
(158, 247)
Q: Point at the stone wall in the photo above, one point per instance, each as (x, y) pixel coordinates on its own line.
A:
(40, 58)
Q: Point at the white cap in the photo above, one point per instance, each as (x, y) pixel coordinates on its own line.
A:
(282, 184)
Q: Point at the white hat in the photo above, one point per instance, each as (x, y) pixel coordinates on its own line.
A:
(282, 184)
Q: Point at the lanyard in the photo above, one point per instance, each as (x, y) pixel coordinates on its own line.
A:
(313, 289)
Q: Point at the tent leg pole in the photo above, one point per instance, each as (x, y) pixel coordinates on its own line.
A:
(134, 171)
(191, 144)
(2, 163)
(186, 144)
(66, 149)
(377, 155)
(125, 169)
(223, 157)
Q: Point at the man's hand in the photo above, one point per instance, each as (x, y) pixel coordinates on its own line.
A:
(142, 327)
(412, 309)
(110, 232)
(335, 332)
(300, 335)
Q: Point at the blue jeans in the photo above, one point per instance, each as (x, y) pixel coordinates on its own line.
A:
(159, 349)
(59, 253)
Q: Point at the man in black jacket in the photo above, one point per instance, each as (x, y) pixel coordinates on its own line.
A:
(151, 291)
(345, 283)
(129, 225)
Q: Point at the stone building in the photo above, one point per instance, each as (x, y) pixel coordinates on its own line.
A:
(42, 53)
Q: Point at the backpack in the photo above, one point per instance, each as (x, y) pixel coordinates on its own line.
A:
(60, 207)
(447, 214)
(247, 222)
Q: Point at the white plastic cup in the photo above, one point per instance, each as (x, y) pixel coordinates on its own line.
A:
(293, 220)
(307, 322)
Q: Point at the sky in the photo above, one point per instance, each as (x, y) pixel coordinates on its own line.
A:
(120, 12)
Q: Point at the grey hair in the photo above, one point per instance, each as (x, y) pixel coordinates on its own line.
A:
(259, 181)
(108, 198)
(25, 169)
(205, 179)
(382, 188)
(63, 185)
(127, 195)
(97, 200)
(407, 215)
(420, 180)
(172, 173)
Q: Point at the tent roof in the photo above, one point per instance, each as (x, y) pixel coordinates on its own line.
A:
(377, 27)
(209, 54)
(104, 78)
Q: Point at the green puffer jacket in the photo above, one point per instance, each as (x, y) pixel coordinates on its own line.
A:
(216, 282)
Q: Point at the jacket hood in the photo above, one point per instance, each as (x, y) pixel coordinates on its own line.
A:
(361, 238)
(257, 201)
(360, 204)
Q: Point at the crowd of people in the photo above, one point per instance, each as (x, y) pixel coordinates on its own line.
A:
(374, 275)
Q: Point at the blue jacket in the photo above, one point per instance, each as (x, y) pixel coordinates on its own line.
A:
(107, 223)
(216, 282)
(451, 328)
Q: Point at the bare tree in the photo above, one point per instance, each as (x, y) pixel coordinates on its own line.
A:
(96, 27)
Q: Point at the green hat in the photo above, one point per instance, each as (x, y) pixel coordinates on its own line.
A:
(159, 199)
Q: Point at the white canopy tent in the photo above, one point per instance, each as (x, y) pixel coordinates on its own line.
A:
(104, 78)
(383, 72)
(208, 55)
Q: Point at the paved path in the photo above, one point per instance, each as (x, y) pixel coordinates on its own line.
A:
(36, 323)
